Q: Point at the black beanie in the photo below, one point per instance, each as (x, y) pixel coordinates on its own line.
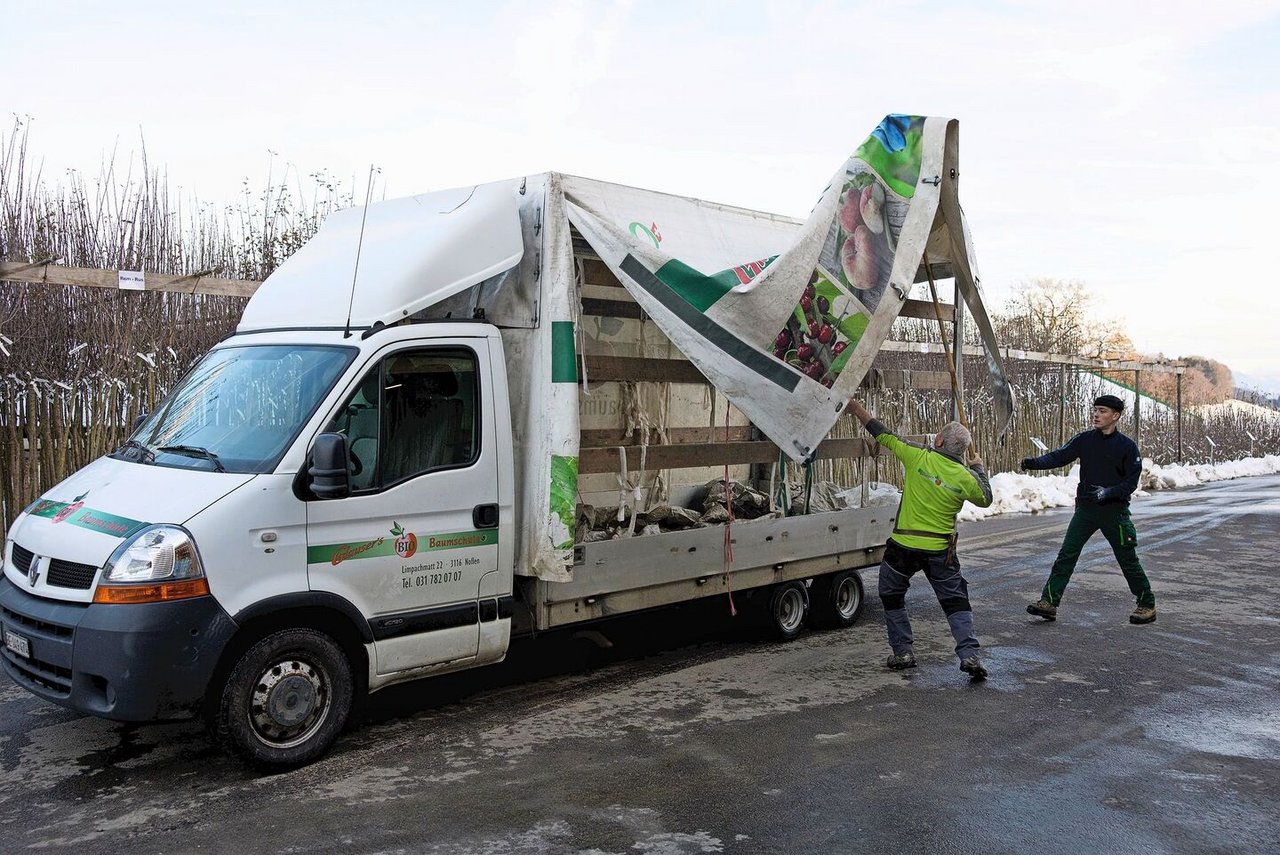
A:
(1109, 401)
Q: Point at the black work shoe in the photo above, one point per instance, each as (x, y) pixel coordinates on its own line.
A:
(974, 668)
(1143, 614)
(901, 662)
(1043, 608)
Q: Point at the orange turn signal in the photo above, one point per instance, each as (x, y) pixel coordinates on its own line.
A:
(160, 593)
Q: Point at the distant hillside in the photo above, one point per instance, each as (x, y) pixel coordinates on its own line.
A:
(1266, 384)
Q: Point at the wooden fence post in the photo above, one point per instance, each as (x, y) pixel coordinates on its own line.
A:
(1137, 407)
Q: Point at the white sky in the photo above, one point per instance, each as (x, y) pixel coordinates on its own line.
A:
(1134, 146)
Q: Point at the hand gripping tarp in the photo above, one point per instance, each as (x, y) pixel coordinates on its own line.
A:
(790, 346)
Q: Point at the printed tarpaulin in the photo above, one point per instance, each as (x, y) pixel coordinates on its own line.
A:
(790, 344)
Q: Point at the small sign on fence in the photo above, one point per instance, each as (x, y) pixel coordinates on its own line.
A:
(132, 280)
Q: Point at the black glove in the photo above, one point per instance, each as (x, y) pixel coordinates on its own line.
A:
(1027, 463)
(1098, 494)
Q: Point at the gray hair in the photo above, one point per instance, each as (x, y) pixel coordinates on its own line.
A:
(955, 439)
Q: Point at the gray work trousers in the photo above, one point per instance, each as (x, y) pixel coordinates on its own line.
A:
(942, 569)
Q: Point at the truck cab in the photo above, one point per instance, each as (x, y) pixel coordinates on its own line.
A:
(233, 558)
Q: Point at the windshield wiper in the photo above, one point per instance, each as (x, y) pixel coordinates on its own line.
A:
(195, 451)
(134, 450)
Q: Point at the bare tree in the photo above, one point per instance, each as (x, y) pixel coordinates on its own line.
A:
(1057, 316)
(1206, 381)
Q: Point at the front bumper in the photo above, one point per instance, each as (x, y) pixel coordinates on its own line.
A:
(144, 662)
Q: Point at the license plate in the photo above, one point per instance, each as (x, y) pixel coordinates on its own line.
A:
(17, 644)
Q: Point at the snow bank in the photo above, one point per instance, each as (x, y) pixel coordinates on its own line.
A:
(1157, 477)
(1022, 493)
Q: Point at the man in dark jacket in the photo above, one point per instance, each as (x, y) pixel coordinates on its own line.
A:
(936, 484)
(1109, 468)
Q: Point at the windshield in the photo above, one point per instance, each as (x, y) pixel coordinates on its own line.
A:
(238, 409)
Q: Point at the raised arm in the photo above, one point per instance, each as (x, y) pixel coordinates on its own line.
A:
(983, 497)
(872, 424)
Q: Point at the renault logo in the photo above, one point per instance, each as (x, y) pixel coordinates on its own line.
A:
(33, 572)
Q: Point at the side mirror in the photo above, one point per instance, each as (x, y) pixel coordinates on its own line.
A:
(138, 420)
(329, 475)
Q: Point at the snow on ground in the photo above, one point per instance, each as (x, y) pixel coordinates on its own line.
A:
(1234, 406)
(1023, 493)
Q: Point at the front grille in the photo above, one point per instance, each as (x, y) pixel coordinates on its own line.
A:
(30, 624)
(62, 574)
(68, 574)
(36, 671)
(22, 558)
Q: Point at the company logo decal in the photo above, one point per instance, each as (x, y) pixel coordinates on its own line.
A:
(938, 482)
(404, 545)
(406, 541)
(650, 231)
(33, 572)
(347, 551)
(80, 516)
(455, 541)
(752, 269)
(67, 511)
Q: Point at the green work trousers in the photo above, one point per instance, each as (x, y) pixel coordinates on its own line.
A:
(1117, 526)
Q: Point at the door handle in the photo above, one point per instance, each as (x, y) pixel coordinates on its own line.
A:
(485, 516)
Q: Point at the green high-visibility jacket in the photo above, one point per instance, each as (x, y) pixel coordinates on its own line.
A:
(935, 488)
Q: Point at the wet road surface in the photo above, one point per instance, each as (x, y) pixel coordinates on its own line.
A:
(692, 735)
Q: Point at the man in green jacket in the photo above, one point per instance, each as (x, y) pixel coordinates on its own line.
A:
(936, 485)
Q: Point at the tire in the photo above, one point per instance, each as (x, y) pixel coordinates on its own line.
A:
(787, 609)
(286, 699)
(837, 600)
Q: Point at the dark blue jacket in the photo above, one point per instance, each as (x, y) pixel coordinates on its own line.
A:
(1110, 460)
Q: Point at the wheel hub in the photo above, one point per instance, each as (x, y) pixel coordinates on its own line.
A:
(288, 701)
(791, 610)
(291, 700)
(847, 597)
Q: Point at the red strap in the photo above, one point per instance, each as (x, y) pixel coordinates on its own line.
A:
(728, 526)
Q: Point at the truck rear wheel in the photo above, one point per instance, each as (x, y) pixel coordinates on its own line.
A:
(788, 606)
(286, 699)
(837, 599)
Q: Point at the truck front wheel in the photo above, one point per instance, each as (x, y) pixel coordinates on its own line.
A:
(285, 700)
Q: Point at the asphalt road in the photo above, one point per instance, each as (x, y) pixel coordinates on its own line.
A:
(691, 735)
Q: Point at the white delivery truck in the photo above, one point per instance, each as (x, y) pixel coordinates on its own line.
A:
(396, 462)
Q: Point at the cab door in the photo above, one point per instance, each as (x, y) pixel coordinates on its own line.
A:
(419, 530)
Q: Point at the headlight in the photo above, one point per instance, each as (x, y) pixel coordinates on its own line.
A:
(157, 564)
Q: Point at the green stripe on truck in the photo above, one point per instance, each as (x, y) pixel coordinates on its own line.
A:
(564, 353)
